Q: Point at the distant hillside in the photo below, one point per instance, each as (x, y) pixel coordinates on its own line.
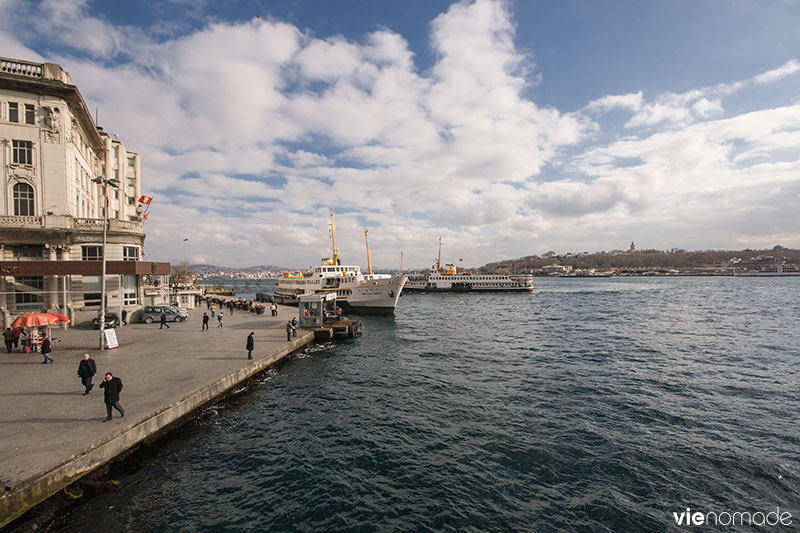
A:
(206, 269)
(645, 259)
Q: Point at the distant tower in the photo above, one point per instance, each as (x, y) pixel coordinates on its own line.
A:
(633, 247)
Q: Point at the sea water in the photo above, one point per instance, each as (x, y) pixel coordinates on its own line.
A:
(588, 405)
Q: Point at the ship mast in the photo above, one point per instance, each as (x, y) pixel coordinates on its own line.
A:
(369, 265)
(335, 257)
(401, 262)
(439, 258)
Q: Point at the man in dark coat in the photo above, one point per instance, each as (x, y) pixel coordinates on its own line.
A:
(112, 387)
(289, 330)
(46, 350)
(87, 369)
(204, 327)
(250, 344)
(8, 336)
(163, 320)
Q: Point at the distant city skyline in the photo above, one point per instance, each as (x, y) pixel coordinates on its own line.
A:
(508, 128)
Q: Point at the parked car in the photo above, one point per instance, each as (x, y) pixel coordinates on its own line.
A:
(152, 313)
(111, 320)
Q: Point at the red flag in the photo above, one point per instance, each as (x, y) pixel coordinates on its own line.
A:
(460, 259)
(146, 215)
(145, 200)
(516, 266)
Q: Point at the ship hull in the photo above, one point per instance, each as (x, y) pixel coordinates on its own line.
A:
(373, 297)
(466, 283)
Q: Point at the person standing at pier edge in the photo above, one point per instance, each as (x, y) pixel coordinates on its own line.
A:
(87, 369)
(124, 317)
(46, 350)
(8, 336)
(112, 386)
(205, 322)
(289, 330)
(163, 320)
(294, 327)
(250, 344)
(219, 319)
(274, 309)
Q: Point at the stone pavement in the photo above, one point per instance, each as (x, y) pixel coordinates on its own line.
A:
(51, 434)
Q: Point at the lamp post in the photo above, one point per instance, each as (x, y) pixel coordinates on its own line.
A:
(186, 259)
(105, 183)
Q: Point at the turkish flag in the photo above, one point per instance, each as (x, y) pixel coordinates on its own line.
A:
(145, 200)
(460, 259)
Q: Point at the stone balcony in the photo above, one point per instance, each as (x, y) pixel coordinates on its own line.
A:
(67, 223)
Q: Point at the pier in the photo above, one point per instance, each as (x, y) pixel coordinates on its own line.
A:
(52, 435)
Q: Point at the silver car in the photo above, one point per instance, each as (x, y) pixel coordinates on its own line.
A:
(152, 313)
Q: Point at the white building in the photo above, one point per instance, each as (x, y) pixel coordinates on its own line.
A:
(51, 212)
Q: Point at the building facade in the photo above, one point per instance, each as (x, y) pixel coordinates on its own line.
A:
(52, 212)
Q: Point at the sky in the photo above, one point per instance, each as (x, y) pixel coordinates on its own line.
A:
(507, 128)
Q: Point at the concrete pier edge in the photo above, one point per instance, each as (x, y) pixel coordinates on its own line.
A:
(34, 491)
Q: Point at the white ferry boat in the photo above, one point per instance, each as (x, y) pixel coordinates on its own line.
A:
(356, 292)
(448, 279)
(775, 270)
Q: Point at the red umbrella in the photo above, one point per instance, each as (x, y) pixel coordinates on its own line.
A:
(38, 319)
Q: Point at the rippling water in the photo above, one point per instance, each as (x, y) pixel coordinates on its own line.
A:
(589, 405)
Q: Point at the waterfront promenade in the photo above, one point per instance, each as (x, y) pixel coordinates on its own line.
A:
(51, 434)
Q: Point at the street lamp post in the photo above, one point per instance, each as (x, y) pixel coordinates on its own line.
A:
(102, 324)
(186, 258)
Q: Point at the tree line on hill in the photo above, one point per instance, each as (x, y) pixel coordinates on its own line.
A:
(677, 259)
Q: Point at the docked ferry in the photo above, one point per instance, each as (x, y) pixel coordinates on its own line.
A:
(447, 279)
(356, 291)
(775, 270)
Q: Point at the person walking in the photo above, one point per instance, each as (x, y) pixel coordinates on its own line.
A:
(208, 303)
(250, 344)
(274, 309)
(219, 319)
(46, 350)
(230, 308)
(163, 320)
(212, 311)
(124, 317)
(294, 326)
(289, 330)
(112, 386)
(8, 336)
(205, 322)
(87, 369)
(17, 332)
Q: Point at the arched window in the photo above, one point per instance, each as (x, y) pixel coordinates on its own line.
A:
(23, 199)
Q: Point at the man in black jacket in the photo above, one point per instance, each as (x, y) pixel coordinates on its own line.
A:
(87, 370)
(112, 387)
(250, 344)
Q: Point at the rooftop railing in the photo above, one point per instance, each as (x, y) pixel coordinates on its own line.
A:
(21, 68)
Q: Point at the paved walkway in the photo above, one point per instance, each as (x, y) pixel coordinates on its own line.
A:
(46, 422)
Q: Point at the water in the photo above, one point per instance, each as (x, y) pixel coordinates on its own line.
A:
(589, 405)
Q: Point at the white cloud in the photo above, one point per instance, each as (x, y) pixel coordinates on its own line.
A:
(770, 76)
(250, 131)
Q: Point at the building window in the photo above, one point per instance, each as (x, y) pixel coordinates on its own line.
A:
(92, 291)
(129, 290)
(13, 112)
(29, 292)
(27, 253)
(30, 114)
(23, 200)
(23, 152)
(91, 253)
(132, 182)
(131, 200)
(131, 161)
(130, 253)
